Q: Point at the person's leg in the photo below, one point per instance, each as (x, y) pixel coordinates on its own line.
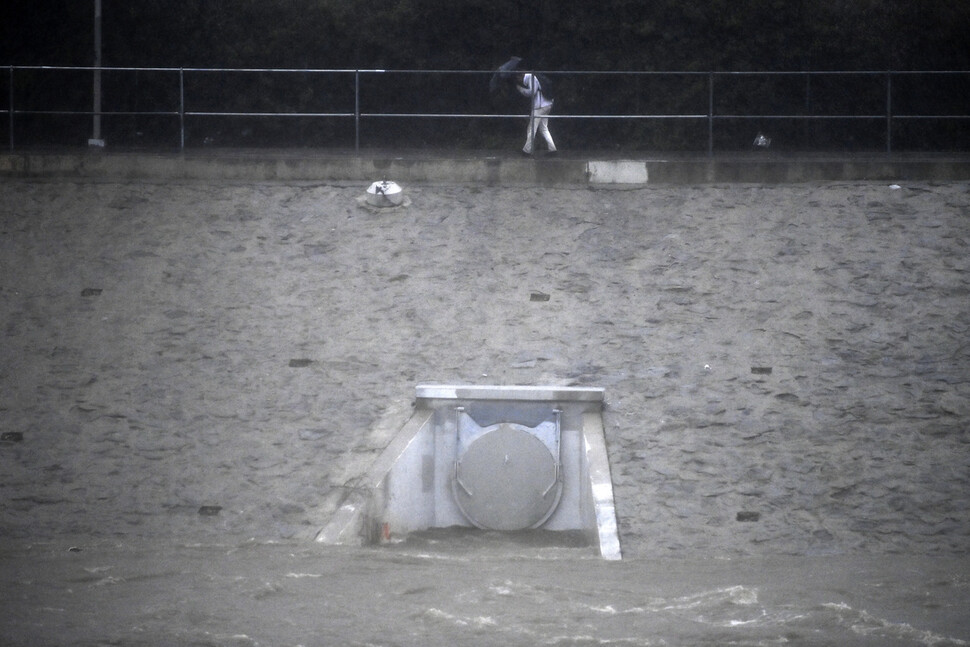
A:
(530, 134)
(544, 129)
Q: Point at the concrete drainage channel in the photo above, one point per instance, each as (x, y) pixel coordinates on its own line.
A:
(503, 458)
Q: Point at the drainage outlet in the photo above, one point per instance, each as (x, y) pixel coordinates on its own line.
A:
(500, 458)
(507, 479)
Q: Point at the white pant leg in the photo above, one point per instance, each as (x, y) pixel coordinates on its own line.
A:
(530, 131)
(539, 122)
(544, 127)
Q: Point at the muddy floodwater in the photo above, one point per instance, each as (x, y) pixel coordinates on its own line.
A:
(191, 375)
(473, 591)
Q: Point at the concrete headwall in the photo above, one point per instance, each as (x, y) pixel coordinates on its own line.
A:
(414, 484)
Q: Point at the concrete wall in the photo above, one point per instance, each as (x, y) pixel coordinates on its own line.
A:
(471, 168)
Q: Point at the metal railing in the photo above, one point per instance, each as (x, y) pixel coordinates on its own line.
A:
(708, 101)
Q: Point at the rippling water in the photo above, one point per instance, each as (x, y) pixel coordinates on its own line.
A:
(470, 589)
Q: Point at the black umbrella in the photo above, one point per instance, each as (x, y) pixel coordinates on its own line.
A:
(503, 72)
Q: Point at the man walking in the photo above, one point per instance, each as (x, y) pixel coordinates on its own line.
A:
(538, 114)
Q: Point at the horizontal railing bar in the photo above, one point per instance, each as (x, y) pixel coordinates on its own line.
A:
(839, 116)
(293, 70)
(88, 68)
(447, 71)
(194, 113)
(917, 72)
(834, 72)
(525, 116)
(931, 116)
(403, 115)
(88, 113)
(799, 116)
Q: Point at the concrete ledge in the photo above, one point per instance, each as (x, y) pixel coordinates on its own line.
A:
(478, 168)
(617, 171)
(277, 166)
(526, 393)
(794, 171)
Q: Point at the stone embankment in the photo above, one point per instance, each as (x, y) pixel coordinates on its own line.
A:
(787, 368)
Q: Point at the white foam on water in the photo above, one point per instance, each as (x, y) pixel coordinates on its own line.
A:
(733, 606)
(478, 622)
(607, 610)
(500, 590)
(863, 623)
(586, 639)
(739, 595)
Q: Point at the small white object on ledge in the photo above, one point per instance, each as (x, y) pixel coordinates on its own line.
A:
(384, 194)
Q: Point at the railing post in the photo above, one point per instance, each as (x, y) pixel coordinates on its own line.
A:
(889, 112)
(357, 111)
(181, 109)
(96, 139)
(710, 114)
(11, 108)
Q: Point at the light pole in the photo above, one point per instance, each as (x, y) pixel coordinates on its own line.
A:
(96, 136)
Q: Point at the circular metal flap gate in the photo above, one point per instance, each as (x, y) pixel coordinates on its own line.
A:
(507, 479)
